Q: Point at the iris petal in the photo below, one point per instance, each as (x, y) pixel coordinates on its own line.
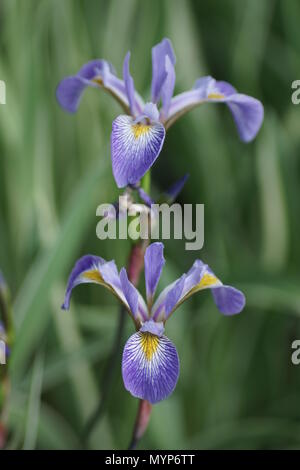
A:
(93, 269)
(160, 53)
(135, 147)
(154, 262)
(150, 366)
(86, 270)
(247, 111)
(228, 299)
(135, 300)
(96, 73)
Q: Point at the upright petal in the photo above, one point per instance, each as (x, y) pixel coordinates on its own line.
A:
(134, 146)
(150, 366)
(163, 61)
(167, 88)
(129, 86)
(96, 73)
(133, 297)
(154, 262)
(247, 112)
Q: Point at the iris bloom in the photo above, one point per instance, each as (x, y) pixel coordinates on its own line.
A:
(137, 136)
(150, 364)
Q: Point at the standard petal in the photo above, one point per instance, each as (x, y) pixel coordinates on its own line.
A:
(247, 112)
(96, 73)
(150, 366)
(134, 148)
(154, 262)
(133, 297)
(160, 52)
(129, 86)
(167, 88)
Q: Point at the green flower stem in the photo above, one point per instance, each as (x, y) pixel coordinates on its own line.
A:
(135, 266)
(7, 319)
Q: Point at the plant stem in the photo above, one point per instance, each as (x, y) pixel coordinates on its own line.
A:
(141, 423)
(135, 266)
(6, 318)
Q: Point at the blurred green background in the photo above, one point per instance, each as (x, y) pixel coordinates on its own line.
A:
(238, 387)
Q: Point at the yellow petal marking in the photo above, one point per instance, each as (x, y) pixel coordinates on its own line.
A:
(93, 275)
(149, 343)
(215, 96)
(139, 130)
(207, 281)
(98, 80)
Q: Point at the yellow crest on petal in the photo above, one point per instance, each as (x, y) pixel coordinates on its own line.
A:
(215, 96)
(149, 343)
(98, 80)
(208, 280)
(140, 129)
(93, 275)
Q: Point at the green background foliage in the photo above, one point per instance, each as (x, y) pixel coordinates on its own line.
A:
(238, 387)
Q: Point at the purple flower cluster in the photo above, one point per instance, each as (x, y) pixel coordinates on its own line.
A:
(150, 364)
(137, 137)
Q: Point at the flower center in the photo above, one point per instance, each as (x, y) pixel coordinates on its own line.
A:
(139, 130)
(149, 343)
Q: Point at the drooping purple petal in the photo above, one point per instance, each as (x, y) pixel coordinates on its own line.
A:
(154, 262)
(93, 269)
(86, 270)
(229, 300)
(162, 54)
(134, 148)
(150, 366)
(96, 73)
(247, 112)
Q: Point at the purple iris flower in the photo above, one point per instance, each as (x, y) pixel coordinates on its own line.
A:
(137, 137)
(150, 364)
